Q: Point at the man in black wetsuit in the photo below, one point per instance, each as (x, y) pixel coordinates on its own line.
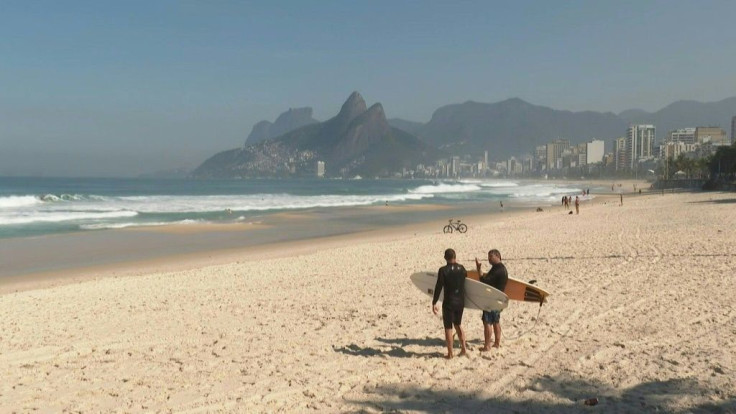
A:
(497, 278)
(451, 278)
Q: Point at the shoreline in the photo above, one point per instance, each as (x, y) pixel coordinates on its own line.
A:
(200, 259)
(181, 261)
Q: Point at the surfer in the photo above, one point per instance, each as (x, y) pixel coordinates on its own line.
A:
(451, 278)
(497, 278)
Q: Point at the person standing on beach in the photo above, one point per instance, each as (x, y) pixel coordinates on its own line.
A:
(577, 205)
(451, 278)
(501, 202)
(622, 199)
(497, 278)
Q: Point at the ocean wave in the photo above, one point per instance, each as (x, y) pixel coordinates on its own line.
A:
(257, 202)
(110, 226)
(61, 216)
(442, 188)
(490, 184)
(19, 201)
(50, 198)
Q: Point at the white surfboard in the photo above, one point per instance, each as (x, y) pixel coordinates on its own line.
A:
(477, 295)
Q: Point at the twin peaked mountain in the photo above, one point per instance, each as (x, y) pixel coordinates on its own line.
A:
(358, 141)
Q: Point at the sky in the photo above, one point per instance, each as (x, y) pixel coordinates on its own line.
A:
(120, 88)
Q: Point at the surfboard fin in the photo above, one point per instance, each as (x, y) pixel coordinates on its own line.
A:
(532, 282)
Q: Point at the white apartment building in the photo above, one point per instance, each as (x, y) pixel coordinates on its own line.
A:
(639, 144)
(594, 151)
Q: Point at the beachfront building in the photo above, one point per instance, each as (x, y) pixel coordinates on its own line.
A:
(639, 145)
(733, 129)
(684, 135)
(320, 169)
(619, 153)
(554, 153)
(594, 151)
(713, 135)
(540, 158)
(673, 149)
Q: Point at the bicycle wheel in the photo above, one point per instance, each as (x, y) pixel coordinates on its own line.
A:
(462, 228)
(447, 229)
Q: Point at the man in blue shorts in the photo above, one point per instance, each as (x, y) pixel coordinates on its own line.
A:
(497, 278)
(451, 279)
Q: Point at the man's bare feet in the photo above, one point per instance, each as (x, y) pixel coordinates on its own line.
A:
(462, 353)
(496, 346)
(448, 356)
(484, 349)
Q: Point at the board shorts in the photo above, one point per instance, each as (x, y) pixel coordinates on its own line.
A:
(491, 317)
(452, 315)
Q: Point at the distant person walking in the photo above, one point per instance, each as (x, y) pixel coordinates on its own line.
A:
(622, 199)
(451, 279)
(501, 202)
(496, 277)
(577, 205)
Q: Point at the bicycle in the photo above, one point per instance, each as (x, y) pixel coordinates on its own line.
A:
(455, 225)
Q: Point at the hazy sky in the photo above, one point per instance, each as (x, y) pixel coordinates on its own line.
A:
(125, 87)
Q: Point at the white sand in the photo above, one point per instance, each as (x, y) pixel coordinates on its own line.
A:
(642, 316)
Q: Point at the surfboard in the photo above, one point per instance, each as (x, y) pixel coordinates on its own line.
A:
(477, 295)
(519, 290)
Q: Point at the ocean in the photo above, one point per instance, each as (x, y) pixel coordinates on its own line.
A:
(42, 206)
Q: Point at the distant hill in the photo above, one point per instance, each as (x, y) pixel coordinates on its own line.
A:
(286, 122)
(513, 127)
(357, 141)
(683, 114)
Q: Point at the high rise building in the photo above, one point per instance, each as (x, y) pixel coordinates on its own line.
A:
(684, 135)
(540, 158)
(619, 153)
(554, 153)
(733, 129)
(639, 144)
(594, 151)
(320, 168)
(714, 135)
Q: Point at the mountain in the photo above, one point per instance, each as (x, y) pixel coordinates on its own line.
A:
(357, 141)
(408, 126)
(513, 127)
(288, 121)
(684, 114)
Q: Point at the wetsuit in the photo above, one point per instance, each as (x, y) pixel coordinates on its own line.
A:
(497, 278)
(451, 278)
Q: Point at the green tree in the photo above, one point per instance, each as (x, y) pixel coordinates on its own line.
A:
(723, 163)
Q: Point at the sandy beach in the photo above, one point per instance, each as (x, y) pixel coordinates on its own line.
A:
(641, 316)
